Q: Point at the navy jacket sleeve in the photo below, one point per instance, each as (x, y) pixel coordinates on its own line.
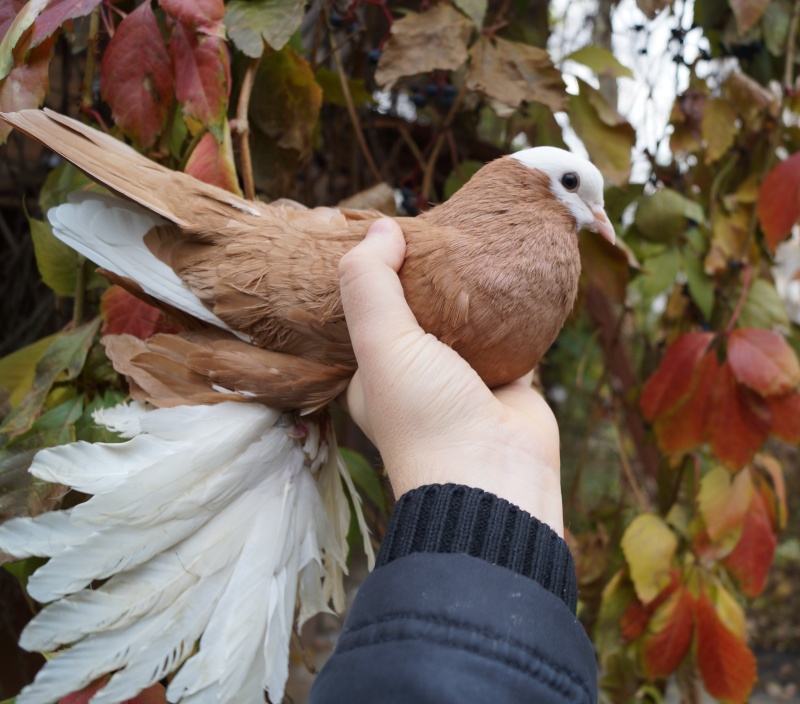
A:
(472, 600)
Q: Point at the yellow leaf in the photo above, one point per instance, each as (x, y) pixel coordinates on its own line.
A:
(724, 500)
(649, 546)
(730, 611)
(18, 368)
(718, 128)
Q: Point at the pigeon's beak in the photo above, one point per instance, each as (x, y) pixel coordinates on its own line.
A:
(602, 225)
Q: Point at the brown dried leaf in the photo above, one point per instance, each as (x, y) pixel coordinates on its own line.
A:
(26, 85)
(608, 144)
(512, 73)
(422, 42)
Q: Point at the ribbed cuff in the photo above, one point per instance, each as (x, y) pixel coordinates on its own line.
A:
(449, 518)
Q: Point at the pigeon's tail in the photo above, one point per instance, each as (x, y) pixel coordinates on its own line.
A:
(208, 524)
(175, 196)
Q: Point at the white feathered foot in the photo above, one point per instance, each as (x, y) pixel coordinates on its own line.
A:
(208, 524)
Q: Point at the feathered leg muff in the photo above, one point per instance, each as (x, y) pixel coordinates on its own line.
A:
(208, 525)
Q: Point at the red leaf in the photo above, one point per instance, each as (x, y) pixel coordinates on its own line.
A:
(203, 15)
(725, 662)
(762, 360)
(637, 615)
(672, 381)
(26, 85)
(136, 76)
(212, 162)
(779, 200)
(634, 620)
(58, 12)
(9, 9)
(155, 694)
(684, 428)
(202, 75)
(124, 313)
(750, 560)
(669, 635)
(738, 423)
(785, 417)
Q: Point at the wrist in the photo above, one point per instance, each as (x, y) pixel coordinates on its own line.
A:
(510, 474)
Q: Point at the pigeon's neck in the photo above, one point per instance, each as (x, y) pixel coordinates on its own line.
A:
(505, 195)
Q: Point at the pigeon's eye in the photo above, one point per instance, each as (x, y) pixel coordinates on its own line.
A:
(570, 181)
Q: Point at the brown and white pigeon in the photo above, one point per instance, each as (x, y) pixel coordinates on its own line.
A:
(220, 513)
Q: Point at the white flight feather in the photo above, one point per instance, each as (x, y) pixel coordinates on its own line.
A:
(236, 528)
(110, 232)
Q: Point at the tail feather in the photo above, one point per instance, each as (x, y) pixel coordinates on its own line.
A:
(250, 535)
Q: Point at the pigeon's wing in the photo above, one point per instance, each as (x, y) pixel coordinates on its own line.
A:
(267, 273)
(177, 197)
(277, 283)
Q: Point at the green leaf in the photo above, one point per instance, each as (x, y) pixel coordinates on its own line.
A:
(763, 307)
(252, 23)
(701, 287)
(775, 27)
(458, 177)
(60, 182)
(22, 494)
(365, 477)
(86, 429)
(332, 92)
(663, 216)
(660, 272)
(601, 61)
(474, 9)
(291, 113)
(18, 368)
(57, 263)
(22, 570)
(67, 353)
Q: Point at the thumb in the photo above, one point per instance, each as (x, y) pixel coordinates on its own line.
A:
(374, 304)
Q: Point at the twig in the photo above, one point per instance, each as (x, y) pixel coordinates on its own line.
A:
(351, 108)
(87, 90)
(307, 662)
(243, 129)
(427, 179)
(412, 145)
(641, 499)
(430, 168)
(340, 45)
(748, 279)
(775, 138)
(80, 291)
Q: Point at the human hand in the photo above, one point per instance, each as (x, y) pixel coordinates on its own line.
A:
(427, 411)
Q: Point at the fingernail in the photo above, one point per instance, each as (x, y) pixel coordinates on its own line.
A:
(381, 228)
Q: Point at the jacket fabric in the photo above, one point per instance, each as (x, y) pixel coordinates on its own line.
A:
(472, 600)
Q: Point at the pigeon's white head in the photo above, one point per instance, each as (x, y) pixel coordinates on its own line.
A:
(576, 182)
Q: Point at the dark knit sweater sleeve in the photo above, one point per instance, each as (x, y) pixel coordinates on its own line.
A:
(449, 518)
(472, 601)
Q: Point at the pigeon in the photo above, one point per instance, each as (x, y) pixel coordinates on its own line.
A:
(224, 514)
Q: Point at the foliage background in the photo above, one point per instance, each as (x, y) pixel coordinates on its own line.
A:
(675, 381)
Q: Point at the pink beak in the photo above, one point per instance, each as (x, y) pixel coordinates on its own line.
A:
(602, 225)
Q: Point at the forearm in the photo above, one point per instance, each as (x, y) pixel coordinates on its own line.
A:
(472, 600)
